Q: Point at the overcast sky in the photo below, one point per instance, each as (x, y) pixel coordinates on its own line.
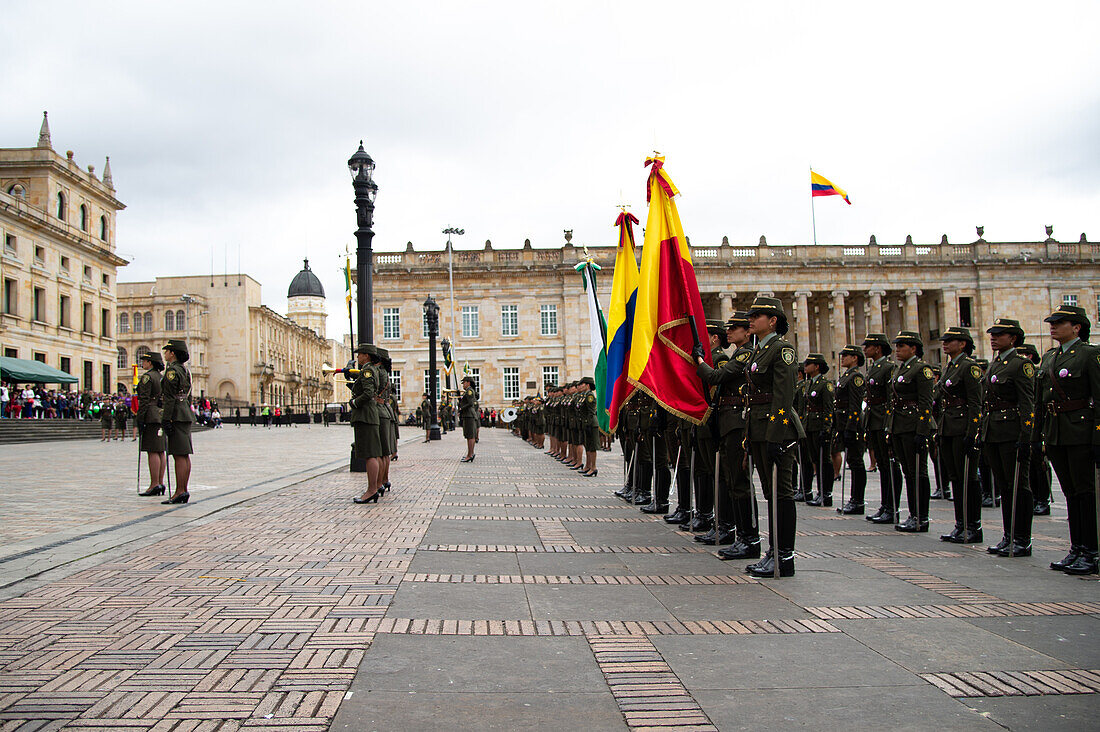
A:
(229, 124)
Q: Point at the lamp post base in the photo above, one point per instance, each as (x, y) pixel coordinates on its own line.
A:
(433, 432)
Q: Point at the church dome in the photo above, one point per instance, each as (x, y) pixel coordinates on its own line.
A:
(305, 284)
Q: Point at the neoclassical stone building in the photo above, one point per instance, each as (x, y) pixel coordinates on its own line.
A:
(520, 315)
(58, 262)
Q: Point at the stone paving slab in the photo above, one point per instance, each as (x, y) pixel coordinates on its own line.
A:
(498, 595)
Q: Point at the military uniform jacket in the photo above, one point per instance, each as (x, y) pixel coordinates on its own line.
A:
(958, 397)
(363, 391)
(467, 404)
(1069, 390)
(848, 404)
(879, 375)
(770, 391)
(910, 409)
(820, 397)
(801, 389)
(1008, 404)
(591, 419)
(729, 398)
(148, 396)
(175, 393)
(385, 392)
(425, 409)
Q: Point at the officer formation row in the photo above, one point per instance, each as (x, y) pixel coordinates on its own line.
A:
(569, 417)
(164, 418)
(765, 421)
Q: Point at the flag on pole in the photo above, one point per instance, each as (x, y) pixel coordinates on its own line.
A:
(822, 186)
(347, 278)
(620, 320)
(669, 310)
(597, 336)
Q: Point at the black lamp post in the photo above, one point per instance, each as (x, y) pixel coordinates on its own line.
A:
(361, 167)
(431, 312)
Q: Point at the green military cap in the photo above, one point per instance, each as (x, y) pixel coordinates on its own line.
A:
(588, 380)
(819, 359)
(908, 336)
(878, 339)
(715, 327)
(382, 352)
(739, 319)
(850, 350)
(1029, 350)
(367, 348)
(153, 358)
(551, 387)
(178, 346)
(1072, 313)
(766, 306)
(1005, 325)
(955, 333)
(469, 379)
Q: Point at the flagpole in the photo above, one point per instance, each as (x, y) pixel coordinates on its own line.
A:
(813, 215)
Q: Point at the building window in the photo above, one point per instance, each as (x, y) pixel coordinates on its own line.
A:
(424, 321)
(170, 320)
(549, 377)
(471, 324)
(103, 228)
(107, 379)
(83, 217)
(137, 323)
(438, 389)
(61, 210)
(39, 357)
(9, 297)
(88, 366)
(395, 383)
(148, 322)
(11, 352)
(548, 318)
(509, 320)
(66, 364)
(475, 374)
(181, 320)
(9, 244)
(63, 312)
(105, 322)
(391, 322)
(65, 263)
(86, 318)
(511, 382)
(105, 280)
(39, 254)
(87, 273)
(123, 361)
(123, 323)
(40, 304)
(966, 318)
(1070, 300)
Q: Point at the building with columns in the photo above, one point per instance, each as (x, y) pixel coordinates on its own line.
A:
(519, 315)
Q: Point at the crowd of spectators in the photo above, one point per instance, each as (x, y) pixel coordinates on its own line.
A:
(36, 401)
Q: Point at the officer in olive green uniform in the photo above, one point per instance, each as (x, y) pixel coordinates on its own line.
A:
(737, 522)
(1070, 399)
(958, 404)
(176, 417)
(1040, 478)
(880, 374)
(848, 423)
(909, 424)
(467, 407)
(148, 418)
(590, 425)
(1007, 422)
(817, 457)
(773, 428)
(365, 420)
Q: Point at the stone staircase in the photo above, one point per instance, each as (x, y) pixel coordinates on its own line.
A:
(44, 430)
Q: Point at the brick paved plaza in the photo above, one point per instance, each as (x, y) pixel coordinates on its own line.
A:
(508, 593)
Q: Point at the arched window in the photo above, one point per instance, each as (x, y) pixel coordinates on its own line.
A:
(123, 322)
(103, 228)
(123, 361)
(169, 320)
(181, 320)
(148, 322)
(137, 323)
(83, 217)
(61, 206)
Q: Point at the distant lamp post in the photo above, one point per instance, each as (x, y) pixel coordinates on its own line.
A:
(431, 312)
(361, 167)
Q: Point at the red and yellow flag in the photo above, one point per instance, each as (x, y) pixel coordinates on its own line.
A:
(668, 301)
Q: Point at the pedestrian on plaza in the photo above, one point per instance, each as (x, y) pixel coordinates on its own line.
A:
(148, 420)
(176, 416)
(5, 400)
(365, 419)
(467, 405)
(121, 414)
(106, 421)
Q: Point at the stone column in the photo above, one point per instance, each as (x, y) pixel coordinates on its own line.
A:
(802, 325)
(949, 309)
(876, 311)
(912, 321)
(840, 320)
(726, 301)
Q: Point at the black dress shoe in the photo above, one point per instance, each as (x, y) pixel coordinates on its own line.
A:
(1074, 554)
(1017, 548)
(701, 523)
(181, 498)
(851, 509)
(677, 518)
(886, 517)
(741, 550)
(912, 526)
(1000, 545)
(973, 535)
(1042, 509)
(655, 508)
(955, 537)
(938, 495)
(1086, 563)
(154, 491)
(370, 499)
(987, 501)
(800, 496)
(877, 514)
(642, 499)
(726, 537)
(707, 538)
(766, 568)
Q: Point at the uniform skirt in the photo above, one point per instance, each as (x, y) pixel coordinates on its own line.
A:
(592, 439)
(368, 440)
(179, 442)
(469, 427)
(385, 430)
(150, 438)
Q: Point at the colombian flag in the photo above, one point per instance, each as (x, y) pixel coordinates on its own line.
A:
(347, 279)
(620, 320)
(821, 186)
(660, 349)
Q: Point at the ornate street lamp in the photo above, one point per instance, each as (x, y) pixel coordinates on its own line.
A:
(431, 312)
(361, 167)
